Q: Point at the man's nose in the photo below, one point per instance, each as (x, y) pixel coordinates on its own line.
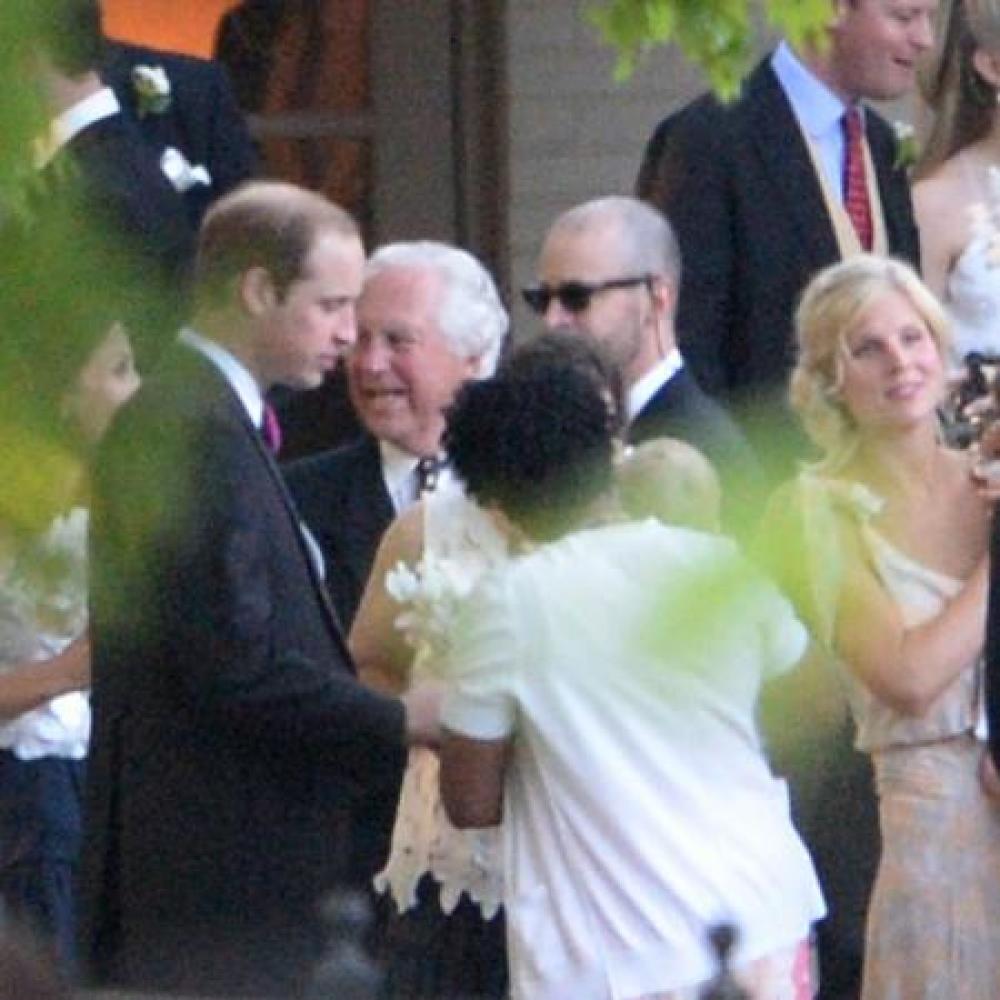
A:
(557, 316)
(370, 354)
(345, 327)
(922, 33)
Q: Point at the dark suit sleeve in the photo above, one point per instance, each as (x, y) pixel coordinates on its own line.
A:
(229, 584)
(232, 158)
(684, 173)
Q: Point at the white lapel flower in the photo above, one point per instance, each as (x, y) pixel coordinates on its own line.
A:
(181, 173)
(906, 145)
(152, 89)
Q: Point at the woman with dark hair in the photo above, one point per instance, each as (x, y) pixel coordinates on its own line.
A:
(65, 367)
(606, 716)
(449, 941)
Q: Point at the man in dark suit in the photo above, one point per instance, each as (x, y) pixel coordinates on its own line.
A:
(755, 189)
(196, 130)
(231, 741)
(99, 189)
(610, 268)
(429, 318)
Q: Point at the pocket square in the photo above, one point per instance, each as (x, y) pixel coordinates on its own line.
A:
(182, 174)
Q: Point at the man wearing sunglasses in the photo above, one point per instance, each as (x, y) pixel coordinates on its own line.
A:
(610, 269)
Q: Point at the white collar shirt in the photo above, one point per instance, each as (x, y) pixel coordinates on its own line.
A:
(650, 383)
(71, 122)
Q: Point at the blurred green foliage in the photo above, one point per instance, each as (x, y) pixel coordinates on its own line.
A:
(20, 103)
(718, 35)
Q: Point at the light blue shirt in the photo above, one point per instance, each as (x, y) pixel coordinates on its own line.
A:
(819, 112)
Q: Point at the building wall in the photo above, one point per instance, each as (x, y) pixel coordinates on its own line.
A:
(574, 133)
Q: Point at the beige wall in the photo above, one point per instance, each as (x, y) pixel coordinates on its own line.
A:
(574, 133)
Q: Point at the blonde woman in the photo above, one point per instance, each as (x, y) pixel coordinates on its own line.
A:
(894, 582)
(957, 190)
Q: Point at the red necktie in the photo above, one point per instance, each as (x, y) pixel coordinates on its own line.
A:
(855, 188)
(270, 429)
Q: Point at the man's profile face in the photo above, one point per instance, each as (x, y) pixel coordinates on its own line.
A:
(876, 46)
(403, 372)
(313, 323)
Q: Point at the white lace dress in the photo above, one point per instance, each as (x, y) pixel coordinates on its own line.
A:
(460, 544)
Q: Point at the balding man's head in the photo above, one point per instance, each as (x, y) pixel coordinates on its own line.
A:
(610, 268)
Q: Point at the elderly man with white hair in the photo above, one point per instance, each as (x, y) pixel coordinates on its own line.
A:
(429, 318)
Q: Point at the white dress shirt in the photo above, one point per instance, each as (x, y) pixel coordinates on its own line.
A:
(650, 383)
(71, 122)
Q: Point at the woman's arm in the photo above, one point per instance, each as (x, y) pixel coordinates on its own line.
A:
(32, 684)
(379, 648)
(472, 773)
(907, 668)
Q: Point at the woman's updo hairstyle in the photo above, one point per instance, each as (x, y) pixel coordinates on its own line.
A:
(829, 310)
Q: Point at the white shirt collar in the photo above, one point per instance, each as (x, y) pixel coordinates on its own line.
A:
(232, 370)
(71, 122)
(649, 385)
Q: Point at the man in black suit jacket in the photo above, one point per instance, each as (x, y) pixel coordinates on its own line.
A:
(429, 318)
(754, 189)
(232, 742)
(199, 121)
(610, 268)
(99, 189)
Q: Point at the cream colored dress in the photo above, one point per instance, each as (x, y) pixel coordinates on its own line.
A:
(934, 920)
(460, 544)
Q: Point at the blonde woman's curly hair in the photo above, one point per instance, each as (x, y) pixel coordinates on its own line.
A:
(829, 311)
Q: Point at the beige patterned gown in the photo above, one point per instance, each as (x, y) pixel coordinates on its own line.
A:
(934, 919)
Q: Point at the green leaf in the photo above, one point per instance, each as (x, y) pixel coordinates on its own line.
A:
(718, 35)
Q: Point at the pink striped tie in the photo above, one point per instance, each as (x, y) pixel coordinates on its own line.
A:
(270, 429)
(855, 188)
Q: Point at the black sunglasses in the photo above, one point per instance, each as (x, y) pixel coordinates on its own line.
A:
(575, 296)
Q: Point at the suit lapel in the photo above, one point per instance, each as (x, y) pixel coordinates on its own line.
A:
(894, 189)
(775, 137)
(220, 395)
(368, 509)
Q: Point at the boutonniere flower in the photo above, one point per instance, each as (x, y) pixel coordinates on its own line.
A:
(906, 146)
(152, 89)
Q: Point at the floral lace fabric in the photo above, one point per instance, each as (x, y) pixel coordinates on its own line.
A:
(460, 545)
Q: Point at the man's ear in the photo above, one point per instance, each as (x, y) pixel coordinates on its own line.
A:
(664, 295)
(987, 65)
(473, 365)
(257, 291)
